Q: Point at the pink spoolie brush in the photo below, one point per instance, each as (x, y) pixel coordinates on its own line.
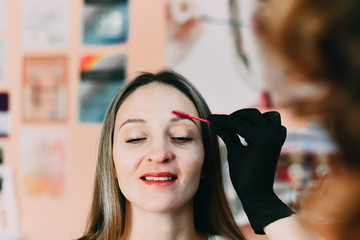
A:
(185, 115)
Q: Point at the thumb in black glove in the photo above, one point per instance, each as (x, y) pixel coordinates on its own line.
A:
(252, 167)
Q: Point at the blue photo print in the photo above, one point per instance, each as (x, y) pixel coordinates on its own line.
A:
(102, 76)
(105, 22)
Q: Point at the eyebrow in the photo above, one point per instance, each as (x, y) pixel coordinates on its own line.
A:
(140, 120)
(176, 119)
(132, 120)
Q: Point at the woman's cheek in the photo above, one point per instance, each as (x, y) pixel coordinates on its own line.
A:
(195, 156)
(127, 158)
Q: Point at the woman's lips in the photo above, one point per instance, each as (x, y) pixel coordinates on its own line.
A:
(159, 178)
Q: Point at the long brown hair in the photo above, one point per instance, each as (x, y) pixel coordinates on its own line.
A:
(212, 214)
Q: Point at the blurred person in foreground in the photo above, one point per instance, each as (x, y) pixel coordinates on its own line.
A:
(320, 41)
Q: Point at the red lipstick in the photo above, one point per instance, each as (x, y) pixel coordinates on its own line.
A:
(159, 178)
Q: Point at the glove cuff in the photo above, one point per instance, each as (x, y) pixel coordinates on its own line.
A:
(262, 210)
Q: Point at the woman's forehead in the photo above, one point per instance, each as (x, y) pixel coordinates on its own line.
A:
(156, 97)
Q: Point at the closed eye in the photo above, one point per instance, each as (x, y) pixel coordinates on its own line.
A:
(182, 139)
(135, 140)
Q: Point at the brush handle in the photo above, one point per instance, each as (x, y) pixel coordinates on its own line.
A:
(199, 119)
(185, 115)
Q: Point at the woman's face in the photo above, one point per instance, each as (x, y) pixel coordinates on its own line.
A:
(158, 156)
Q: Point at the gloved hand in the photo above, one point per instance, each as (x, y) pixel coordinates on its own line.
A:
(252, 167)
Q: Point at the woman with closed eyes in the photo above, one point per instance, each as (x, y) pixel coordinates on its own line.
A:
(158, 175)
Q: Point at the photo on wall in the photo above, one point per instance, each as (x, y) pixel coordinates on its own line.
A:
(45, 87)
(5, 121)
(206, 35)
(2, 61)
(45, 23)
(305, 164)
(3, 14)
(43, 161)
(105, 22)
(102, 76)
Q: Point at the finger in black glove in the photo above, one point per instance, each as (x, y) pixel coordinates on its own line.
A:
(252, 167)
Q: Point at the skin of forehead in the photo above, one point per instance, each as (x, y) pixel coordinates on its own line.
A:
(134, 100)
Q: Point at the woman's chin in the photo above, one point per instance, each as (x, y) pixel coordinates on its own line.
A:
(163, 206)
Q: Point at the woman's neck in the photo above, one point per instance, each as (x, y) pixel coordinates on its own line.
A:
(177, 224)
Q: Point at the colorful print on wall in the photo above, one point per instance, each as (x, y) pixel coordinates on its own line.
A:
(43, 161)
(5, 122)
(102, 76)
(306, 158)
(105, 22)
(45, 88)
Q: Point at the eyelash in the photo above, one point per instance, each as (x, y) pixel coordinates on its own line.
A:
(176, 139)
(182, 139)
(135, 140)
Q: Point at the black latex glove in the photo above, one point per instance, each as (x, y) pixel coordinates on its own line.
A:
(252, 167)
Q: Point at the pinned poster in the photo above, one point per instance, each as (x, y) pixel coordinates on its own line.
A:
(5, 121)
(43, 161)
(102, 76)
(3, 14)
(194, 31)
(45, 88)
(2, 61)
(105, 22)
(45, 23)
(306, 158)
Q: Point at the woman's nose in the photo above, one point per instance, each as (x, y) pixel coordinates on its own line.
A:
(159, 151)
